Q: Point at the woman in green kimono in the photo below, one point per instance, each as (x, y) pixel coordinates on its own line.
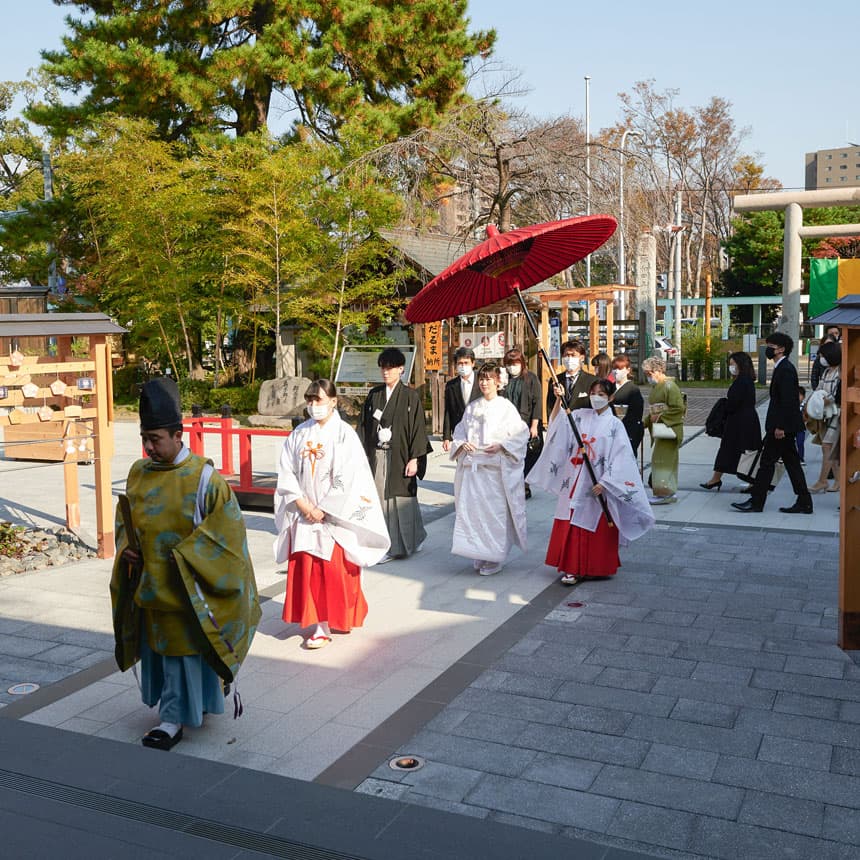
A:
(665, 422)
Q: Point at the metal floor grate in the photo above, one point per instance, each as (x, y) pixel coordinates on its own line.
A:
(248, 840)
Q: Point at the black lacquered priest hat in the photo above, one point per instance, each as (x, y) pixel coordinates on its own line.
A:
(160, 404)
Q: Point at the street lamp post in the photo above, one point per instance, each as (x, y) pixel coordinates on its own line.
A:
(622, 269)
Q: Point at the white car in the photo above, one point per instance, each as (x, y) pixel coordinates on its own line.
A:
(663, 348)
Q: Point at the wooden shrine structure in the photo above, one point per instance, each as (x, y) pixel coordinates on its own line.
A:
(846, 315)
(61, 405)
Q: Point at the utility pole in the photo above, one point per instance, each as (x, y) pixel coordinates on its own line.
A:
(588, 169)
(676, 271)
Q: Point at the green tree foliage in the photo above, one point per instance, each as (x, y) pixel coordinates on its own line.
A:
(755, 253)
(299, 240)
(384, 66)
(150, 217)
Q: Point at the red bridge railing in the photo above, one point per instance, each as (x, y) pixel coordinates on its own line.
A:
(199, 427)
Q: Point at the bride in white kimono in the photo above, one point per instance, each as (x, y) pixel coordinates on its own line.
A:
(328, 518)
(489, 445)
(583, 544)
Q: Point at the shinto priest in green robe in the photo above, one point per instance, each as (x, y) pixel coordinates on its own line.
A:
(190, 617)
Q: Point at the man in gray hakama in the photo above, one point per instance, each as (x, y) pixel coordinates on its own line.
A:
(394, 437)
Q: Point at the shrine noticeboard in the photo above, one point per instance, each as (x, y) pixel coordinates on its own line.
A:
(433, 346)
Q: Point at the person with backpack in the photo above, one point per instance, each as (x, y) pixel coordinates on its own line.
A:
(741, 430)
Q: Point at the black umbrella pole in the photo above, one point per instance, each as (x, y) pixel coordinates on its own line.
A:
(566, 406)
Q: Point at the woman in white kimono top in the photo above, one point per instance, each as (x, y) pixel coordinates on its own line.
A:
(582, 543)
(489, 445)
(329, 520)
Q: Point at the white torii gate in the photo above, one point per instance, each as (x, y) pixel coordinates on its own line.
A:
(793, 202)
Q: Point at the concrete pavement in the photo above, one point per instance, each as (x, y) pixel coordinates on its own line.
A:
(695, 704)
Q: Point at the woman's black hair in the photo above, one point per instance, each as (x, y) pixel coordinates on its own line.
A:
(744, 363)
(831, 352)
(606, 384)
(321, 386)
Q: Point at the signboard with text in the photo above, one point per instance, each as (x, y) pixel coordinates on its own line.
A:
(485, 344)
(433, 346)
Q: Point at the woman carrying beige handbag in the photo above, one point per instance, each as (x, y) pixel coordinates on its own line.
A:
(665, 421)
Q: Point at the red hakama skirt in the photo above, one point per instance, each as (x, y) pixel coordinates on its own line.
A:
(581, 552)
(320, 590)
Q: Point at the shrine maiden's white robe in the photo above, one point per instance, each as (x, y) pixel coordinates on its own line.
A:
(489, 491)
(560, 470)
(326, 464)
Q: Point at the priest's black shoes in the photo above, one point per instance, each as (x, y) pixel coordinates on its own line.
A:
(747, 507)
(798, 508)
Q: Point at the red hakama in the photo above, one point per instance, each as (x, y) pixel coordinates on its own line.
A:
(319, 590)
(581, 552)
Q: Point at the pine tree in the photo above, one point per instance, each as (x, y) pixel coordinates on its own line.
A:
(382, 66)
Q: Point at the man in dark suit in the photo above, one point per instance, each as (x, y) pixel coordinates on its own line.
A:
(574, 379)
(782, 424)
(460, 391)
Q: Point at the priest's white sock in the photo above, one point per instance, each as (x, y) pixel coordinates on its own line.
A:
(170, 728)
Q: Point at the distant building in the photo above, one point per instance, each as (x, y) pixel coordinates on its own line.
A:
(833, 168)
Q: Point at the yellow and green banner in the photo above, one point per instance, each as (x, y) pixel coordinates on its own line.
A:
(829, 280)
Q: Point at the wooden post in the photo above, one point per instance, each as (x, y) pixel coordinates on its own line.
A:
(103, 445)
(544, 342)
(610, 328)
(70, 479)
(849, 509)
(418, 370)
(709, 291)
(593, 329)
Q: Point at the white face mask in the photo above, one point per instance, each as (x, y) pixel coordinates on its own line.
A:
(598, 401)
(621, 375)
(823, 361)
(464, 369)
(733, 369)
(319, 411)
(651, 380)
(571, 363)
(514, 369)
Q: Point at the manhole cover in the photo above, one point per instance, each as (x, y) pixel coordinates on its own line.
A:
(406, 762)
(23, 689)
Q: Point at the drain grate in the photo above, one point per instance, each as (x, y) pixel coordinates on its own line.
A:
(168, 819)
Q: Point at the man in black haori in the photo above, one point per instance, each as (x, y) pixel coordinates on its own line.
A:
(395, 440)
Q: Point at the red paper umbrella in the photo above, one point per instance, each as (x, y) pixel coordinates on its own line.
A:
(507, 262)
(503, 265)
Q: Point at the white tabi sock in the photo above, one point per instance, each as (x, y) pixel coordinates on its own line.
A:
(170, 728)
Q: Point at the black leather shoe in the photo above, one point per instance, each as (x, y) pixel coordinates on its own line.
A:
(798, 508)
(748, 507)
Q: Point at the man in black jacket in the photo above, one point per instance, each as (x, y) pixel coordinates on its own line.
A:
(575, 380)
(459, 393)
(782, 424)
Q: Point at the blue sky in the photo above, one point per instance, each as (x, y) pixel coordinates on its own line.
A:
(790, 79)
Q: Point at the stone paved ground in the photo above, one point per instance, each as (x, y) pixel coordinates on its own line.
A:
(694, 706)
